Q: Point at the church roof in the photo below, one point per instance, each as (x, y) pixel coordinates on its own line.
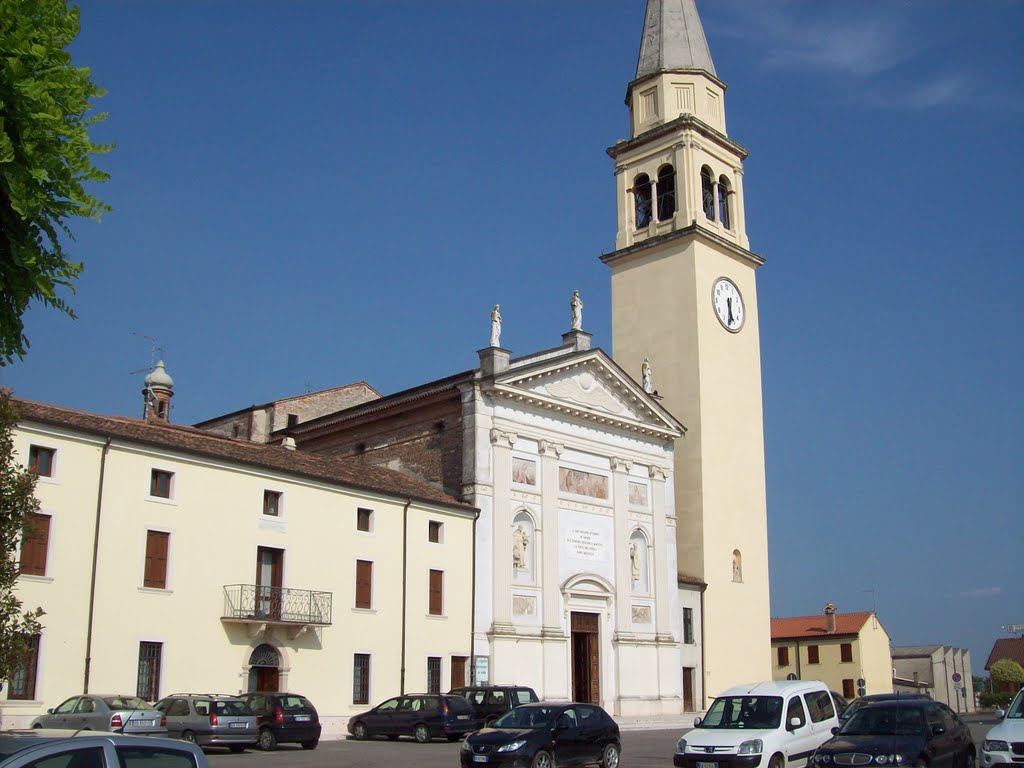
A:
(673, 39)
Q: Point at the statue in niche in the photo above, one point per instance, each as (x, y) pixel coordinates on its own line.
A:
(634, 560)
(737, 568)
(576, 304)
(645, 377)
(496, 326)
(519, 543)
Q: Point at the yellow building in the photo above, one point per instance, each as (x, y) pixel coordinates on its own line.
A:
(849, 652)
(170, 559)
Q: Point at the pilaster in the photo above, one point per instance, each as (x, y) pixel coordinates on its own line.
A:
(623, 573)
(502, 442)
(662, 578)
(552, 599)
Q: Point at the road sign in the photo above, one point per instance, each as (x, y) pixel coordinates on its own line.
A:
(956, 677)
(861, 691)
(860, 683)
(792, 676)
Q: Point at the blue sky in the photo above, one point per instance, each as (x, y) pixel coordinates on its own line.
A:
(312, 193)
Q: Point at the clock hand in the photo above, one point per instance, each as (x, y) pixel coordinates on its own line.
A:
(728, 303)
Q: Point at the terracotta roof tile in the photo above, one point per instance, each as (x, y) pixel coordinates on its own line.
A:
(199, 442)
(1007, 648)
(816, 626)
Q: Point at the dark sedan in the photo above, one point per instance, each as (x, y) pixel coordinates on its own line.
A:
(911, 733)
(545, 735)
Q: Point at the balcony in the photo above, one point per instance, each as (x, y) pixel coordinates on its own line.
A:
(260, 606)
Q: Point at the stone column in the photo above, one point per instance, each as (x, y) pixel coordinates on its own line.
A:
(623, 573)
(502, 442)
(624, 208)
(740, 217)
(549, 543)
(664, 582)
(681, 162)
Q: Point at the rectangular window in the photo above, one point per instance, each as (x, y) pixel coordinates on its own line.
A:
(148, 686)
(364, 518)
(783, 655)
(436, 592)
(819, 705)
(22, 685)
(155, 575)
(160, 483)
(812, 654)
(433, 674)
(34, 543)
(272, 503)
(434, 533)
(361, 678)
(364, 583)
(688, 626)
(846, 652)
(40, 460)
(848, 690)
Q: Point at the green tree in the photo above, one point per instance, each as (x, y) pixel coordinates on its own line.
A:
(17, 500)
(45, 160)
(1006, 671)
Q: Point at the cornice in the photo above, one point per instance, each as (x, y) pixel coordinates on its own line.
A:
(693, 230)
(680, 123)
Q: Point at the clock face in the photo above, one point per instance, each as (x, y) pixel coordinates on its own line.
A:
(728, 304)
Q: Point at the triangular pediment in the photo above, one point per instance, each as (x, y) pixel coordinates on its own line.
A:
(588, 386)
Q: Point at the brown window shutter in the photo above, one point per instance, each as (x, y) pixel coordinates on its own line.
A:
(156, 560)
(34, 544)
(436, 592)
(364, 583)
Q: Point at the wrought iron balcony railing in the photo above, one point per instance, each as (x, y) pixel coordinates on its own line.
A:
(251, 602)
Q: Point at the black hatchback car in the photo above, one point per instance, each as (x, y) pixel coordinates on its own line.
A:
(899, 732)
(284, 718)
(545, 735)
(490, 702)
(424, 716)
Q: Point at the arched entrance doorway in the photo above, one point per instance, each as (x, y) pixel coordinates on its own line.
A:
(264, 669)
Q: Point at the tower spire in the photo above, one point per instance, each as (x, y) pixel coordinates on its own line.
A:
(673, 39)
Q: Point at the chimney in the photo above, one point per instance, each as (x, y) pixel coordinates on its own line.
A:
(288, 443)
(157, 394)
(830, 617)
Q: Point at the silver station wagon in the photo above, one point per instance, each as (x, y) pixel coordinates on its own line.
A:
(210, 720)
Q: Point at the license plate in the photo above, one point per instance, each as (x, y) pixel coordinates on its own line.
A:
(238, 725)
(302, 718)
(463, 717)
(146, 723)
(707, 765)
(479, 758)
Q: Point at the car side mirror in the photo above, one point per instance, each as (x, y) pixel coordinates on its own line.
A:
(794, 723)
(1000, 714)
(49, 711)
(835, 729)
(938, 730)
(696, 722)
(561, 725)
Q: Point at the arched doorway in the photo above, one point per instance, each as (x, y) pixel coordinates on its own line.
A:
(264, 669)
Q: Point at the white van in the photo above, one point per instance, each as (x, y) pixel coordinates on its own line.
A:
(762, 725)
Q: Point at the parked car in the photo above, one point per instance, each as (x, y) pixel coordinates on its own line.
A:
(284, 718)
(89, 712)
(1004, 743)
(774, 724)
(913, 732)
(856, 704)
(490, 702)
(210, 720)
(80, 749)
(545, 735)
(424, 716)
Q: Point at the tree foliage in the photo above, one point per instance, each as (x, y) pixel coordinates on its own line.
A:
(45, 160)
(17, 500)
(1006, 671)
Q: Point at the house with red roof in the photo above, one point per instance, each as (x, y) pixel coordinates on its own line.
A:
(849, 652)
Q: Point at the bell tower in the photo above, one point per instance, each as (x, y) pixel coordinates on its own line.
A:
(684, 296)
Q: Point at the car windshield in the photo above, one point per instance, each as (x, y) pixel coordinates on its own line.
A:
(125, 702)
(885, 721)
(1016, 708)
(527, 717)
(744, 712)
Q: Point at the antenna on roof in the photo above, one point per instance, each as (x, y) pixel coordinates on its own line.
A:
(154, 347)
(874, 607)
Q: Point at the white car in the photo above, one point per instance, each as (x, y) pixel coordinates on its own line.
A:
(773, 725)
(90, 749)
(1005, 742)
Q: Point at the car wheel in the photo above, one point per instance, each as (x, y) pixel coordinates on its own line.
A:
(542, 760)
(37, 726)
(359, 731)
(777, 761)
(610, 758)
(188, 736)
(267, 740)
(422, 733)
(311, 744)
